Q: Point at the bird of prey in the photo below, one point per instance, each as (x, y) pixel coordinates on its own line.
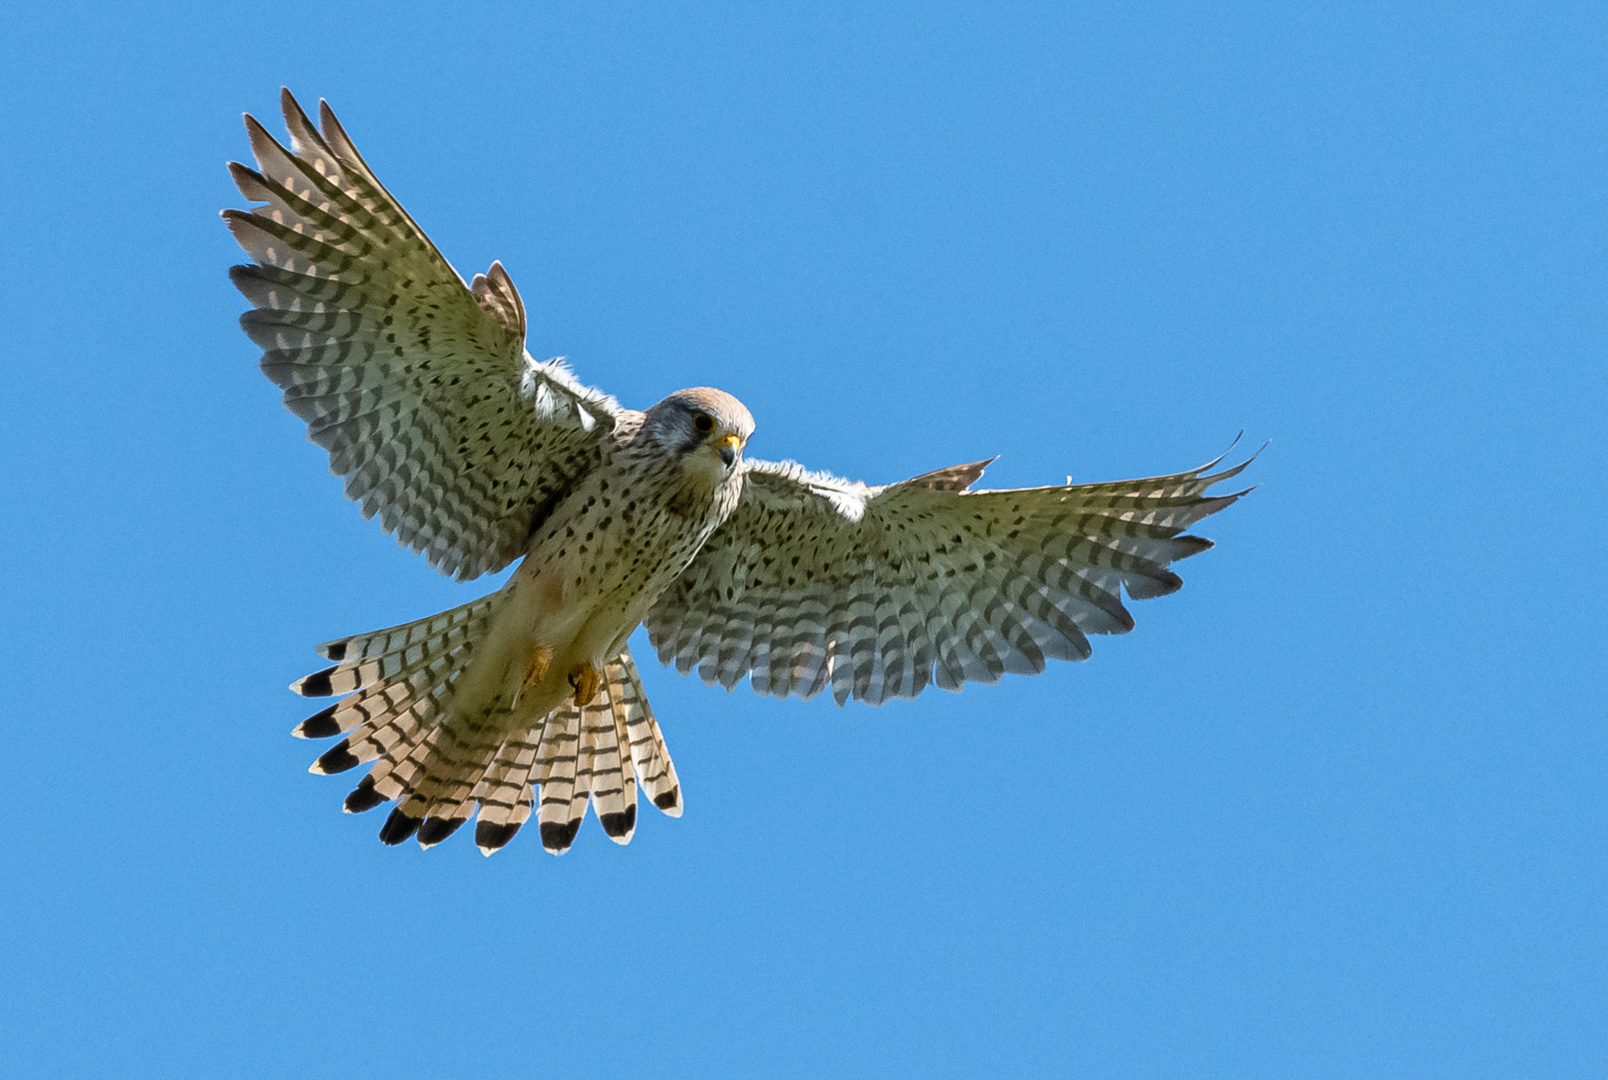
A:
(474, 454)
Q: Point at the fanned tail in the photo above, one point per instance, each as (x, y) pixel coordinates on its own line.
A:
(399, 681)
(598, 753)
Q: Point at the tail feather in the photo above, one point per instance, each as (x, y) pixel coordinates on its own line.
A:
(601, 768)
(363, 797)
(373, 703)
(555, 769)
(613, 775)
(376, 703)
(648, 752)
(398, 827)
(505, 793)
(581, 794)
(385, 718)
(387, 737)
(437, 827)
(395, 773)
(445, 797)
(391, 655)
(396, 639)
(399, 682)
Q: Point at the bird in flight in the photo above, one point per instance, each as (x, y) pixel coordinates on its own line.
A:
(474, 454)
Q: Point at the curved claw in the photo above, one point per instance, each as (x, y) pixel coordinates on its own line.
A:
(585, 680)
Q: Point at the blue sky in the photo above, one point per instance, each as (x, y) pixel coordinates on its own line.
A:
(1337, 809)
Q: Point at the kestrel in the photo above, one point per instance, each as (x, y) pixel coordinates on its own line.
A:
(474, 454)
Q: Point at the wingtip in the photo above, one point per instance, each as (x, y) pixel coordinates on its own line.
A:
(1149, 587)
(1258, 451)
(256, 128)
(1233, 470)
(1197, 544)
(1214, 462)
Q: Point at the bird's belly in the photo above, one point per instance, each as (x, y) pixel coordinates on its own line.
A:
(541, 633)
(587, 580)
(560, 611)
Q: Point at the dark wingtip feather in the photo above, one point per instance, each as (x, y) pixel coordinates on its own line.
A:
(398, 827)
(619, 824)
(241, 173)
(363, 797)
(320, 725)
(240, 275)
(557, 836)
(1227, 474)
(334, 650)
(315, 685)
(434, 830)
(1145, 587)
(489, 837)
(337, 759)
(668, 800)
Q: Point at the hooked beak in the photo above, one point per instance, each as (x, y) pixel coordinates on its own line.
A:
(728, 449)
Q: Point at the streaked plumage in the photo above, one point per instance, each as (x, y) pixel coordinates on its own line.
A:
(527, 702)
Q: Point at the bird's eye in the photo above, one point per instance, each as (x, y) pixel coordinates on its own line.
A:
(704, 423)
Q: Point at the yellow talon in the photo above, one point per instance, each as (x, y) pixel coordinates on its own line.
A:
(540, 657)
(585, 681)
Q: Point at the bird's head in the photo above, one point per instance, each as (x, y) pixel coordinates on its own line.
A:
(705, 428)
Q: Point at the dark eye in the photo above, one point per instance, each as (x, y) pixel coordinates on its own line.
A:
(704, 423)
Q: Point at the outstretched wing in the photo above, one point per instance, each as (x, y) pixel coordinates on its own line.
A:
(879, 591)
(418, 385)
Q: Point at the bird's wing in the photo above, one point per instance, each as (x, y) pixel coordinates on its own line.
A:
(418, 385)
(816, 581)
